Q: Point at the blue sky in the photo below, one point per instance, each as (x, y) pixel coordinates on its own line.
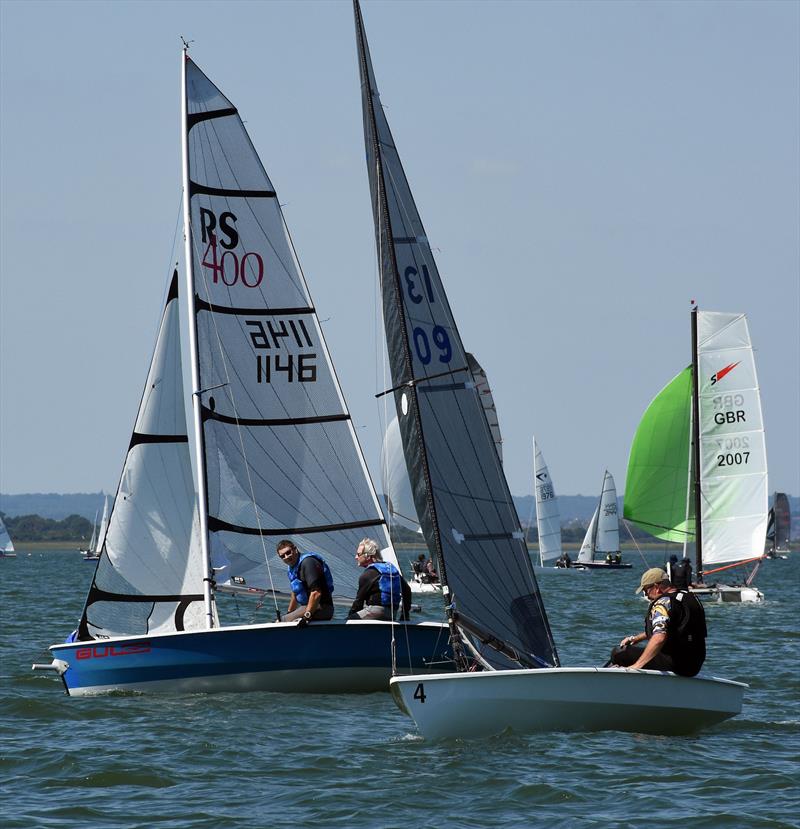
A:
(583, 171)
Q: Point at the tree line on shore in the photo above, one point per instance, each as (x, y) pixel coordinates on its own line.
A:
(35, 528)
(76, 528)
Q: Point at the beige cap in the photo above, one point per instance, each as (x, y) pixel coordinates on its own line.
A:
(655, 575)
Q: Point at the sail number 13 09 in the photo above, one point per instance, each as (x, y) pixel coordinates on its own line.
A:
(419, 288)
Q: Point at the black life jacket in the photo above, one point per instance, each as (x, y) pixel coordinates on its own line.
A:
(680, 575)
(686, 631)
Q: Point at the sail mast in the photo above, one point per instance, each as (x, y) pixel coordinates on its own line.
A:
(195, 359)
(408, 390)
(698, 534)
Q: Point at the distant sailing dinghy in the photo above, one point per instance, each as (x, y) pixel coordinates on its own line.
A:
(779, 527)
(548, 520)
(600, 549)
(277, 457)
(6, 544)
(509, 674)
(697, 470)
(92, 553)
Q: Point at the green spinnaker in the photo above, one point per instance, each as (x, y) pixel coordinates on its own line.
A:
(657, 482)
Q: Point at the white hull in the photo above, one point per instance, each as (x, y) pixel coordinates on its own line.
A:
(564, 699)
(728, 594)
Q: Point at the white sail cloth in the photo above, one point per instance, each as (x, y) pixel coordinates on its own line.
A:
(548, 520)
(602, 536)
(733, 466)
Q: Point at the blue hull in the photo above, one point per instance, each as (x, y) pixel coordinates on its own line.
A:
(323, 657)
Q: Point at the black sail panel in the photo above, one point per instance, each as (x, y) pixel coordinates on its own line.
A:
(460, 492)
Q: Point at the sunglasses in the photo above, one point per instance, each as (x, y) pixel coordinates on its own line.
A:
(286, 553)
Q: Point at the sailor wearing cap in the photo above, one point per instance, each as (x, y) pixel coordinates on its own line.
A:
(674, 627)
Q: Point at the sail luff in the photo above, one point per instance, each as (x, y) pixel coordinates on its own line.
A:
(400, 348)
(193, 349)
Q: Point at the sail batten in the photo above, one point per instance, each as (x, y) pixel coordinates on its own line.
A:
(460, 494)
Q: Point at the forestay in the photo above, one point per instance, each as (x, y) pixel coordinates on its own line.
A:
(460, 492)
(281, 456)
(149, 578)
(548, 521)
(733, 466)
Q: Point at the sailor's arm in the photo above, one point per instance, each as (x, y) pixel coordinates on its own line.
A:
(653, 647)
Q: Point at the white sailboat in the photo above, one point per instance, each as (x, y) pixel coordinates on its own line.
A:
(548, 520)
(6, 544)
(697, 470)
(90, 547)
(509, 674)
(600, 549)
(92, 553)
(276, 457)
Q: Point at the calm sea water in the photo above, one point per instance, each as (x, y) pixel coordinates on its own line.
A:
(271, 760)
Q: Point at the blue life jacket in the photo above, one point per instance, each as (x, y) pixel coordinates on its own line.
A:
(389, 583)
(298, 585)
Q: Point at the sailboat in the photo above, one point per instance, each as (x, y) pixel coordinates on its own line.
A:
(396, 482)
(779, 526)
(6, 544)
(276, 457)
(697, 469)
(90, 547)
(509, 675)
(548, 520)
(600, 549)
(92, 553)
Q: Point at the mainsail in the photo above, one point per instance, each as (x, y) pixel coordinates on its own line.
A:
(779, 530)
(278, 452)
(149, 577)
(460, 493)
(548, 521)
(6, 545)
(733, 467)
(394, 475)
(101, 534)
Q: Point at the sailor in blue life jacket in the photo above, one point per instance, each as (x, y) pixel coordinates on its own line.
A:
(382, 590)
(675, 630)
(311, 582)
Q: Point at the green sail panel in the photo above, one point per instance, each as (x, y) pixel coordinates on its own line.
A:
(658, 465)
